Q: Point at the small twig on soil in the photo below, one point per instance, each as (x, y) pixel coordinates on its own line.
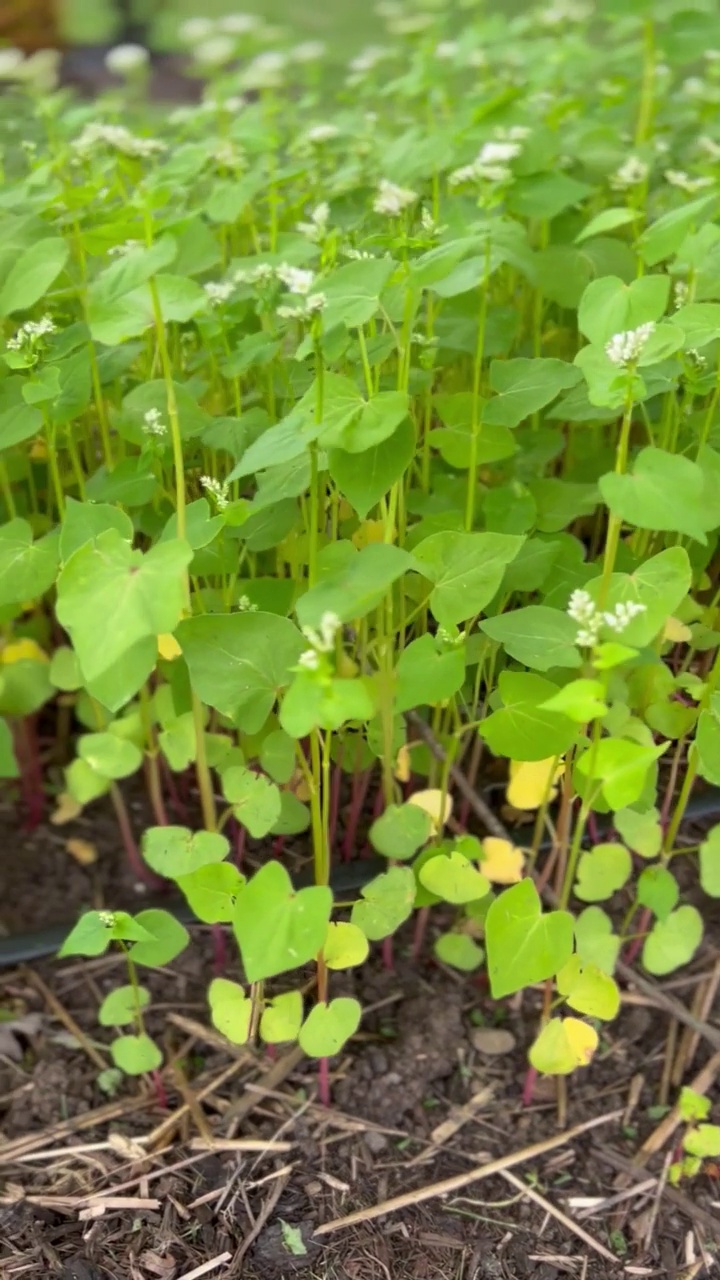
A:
(159, 1135)
(259, 1223)
(61, 1013)
(239, 1144)
(669, 1004)
(87, 1120)
(656, 1201)
(212, 1264)
(191, 1102)
(692, 1211)
(460, 1180)
(702, 1004)
(601, 1205)
(242, 1107)
(559, 1216)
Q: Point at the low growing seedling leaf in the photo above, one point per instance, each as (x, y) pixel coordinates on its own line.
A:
(588, 989)
(135, 1055)
(329, 1026)
(453, 878)
(277, 928)
(386, 903)
(400, 831)
(230, 1010)
(563, 1045)
(169, 938)
(523, 944)
(672, 942)
(459, 951)
(211, 891)
(602, 871)
(176, 851)
(345, 946)
(281, 1018)
(122, 1005)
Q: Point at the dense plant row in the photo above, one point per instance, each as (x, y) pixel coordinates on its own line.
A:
(312, 421)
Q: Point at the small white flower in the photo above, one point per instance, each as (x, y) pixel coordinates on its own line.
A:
(217, 491)
(316, 228)
(356, 255)
(446, 50)
(678, 178)
(127, 59)
(323, 639)
(581, 606)
(237, 24)
(587, 637)
(698, 359)
(117, 138)
(622, 615)
(625, 348)
(392, 199)
(295, 279)
(709, 146)
(194, 29)
(564, 11)
(320, 133)
(153, 424)
(303, 310)
(120, 250)
(216, 51)
(309, 659)
(31, 333)
(631, 173)
(308, 51)
(494, 152)
(10, 60)
(218, 291)
(265, 71)
(229, 156)
(694, 87)
(368, 59)
(107, 918)
(681, 294)
(245, 605)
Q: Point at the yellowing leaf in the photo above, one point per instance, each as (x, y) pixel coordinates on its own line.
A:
(25, 650)
(168, 647)
(502, 862)
(676, 632)
(402, 764)
(369, 531)
(529, 780)
(38, 450)
(82, 851)
(563, 1045)
(436, 804)
(67, 810)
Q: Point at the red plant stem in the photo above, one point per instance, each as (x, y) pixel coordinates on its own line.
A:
(178, 807)
(335, 786)
(159, 1087)
(635, 945)
(324, 1082)
(388, 954)
(529, 1086)
(137, 866)
(219, 950)
(279, 847)
(472, 773)
(240, 843)
(360, 785)
(421, 922)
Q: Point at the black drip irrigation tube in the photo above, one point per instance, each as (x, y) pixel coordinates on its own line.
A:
(347, 877)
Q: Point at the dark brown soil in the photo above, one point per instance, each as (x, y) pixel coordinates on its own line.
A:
(416, 1064)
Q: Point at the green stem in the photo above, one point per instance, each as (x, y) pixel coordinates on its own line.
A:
(612, 540)
(477, 375)
(643, 127)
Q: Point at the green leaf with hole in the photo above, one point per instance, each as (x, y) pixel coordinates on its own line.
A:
(329, 1026)
(710, 862)
(588, 989)
(537, 636)
(459, 951)
(121, 1005)
(400, 831)
(658, 890)
(254, 798)
(212, 891)
(176, 851)
(169, 938)
(345, 946)
(595, 941)
(282, 1018)
(108, 755)
(601, 872)
(524, 945)
(230, 1010)
(135, 1055)
(387, 901)
(240, 662)
(453, 878)
(277, 928)
(466, 570)
(672, 942)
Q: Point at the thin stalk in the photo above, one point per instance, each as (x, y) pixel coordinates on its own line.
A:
(476, 380)
(612, 540)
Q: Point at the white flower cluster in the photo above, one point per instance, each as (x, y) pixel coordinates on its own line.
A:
(322, 640)
(631, 173)
(217, 491)
(681, 294)
(119, 250)
(490, 165)
(219, 291)
(229, 156)
(299, 283)
(316, 228)
(246, 605)
(117, 138)
(308, 51)
(678, 178)
(391, 199)
(625, 348)
(263, 273)
(153, 424)
(30, 333)
(107, 918)
(356, 255)
(295, 279)
(127, 59)
(583, 610)
(320, 133)
(709, 146)
(368, 59)
(564, 11)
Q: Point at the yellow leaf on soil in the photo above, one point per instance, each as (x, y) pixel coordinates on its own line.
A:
(529, 781)
(67, 810)
(82, 851)
(25, 650)
(168, 647)
(502, 862)
(437, 804)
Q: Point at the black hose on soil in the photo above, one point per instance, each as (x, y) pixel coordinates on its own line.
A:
(347, 877)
